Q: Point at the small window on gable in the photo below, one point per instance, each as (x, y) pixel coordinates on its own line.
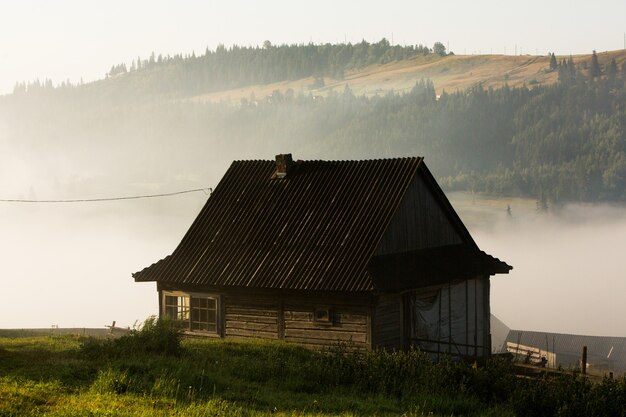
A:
(323, 315)
(194, 312)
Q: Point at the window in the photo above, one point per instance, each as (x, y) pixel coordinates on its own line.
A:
(177, 309)
(204, 314)
(195, 312)
(323, 315)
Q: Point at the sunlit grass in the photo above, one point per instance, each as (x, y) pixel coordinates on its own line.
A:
(74, 376)
(58, 376)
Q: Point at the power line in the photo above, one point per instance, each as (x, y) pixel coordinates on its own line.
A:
(207, 191)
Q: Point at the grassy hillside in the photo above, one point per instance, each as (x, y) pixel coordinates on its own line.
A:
(449, 73)
(70, 376)
(150, 373)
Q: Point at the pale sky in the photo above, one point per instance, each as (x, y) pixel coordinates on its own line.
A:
(70, 39)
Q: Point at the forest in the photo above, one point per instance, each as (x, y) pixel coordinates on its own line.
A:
(557, 143)
(236, 66)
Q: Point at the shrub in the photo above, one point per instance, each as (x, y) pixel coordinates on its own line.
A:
(156, 336)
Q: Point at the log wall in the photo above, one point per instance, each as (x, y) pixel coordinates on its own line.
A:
(250, 317)
(290, 316)
(348, 325)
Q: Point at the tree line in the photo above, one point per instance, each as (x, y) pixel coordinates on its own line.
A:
(236, 66)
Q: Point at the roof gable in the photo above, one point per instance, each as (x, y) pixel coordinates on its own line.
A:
(422, 221)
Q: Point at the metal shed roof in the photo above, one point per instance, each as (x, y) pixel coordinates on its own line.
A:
(603, 351)
(315, 229)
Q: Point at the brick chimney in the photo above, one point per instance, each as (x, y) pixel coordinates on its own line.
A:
(284, 163)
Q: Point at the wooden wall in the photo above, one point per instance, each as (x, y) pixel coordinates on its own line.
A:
(387, 322)
(289, 316)
(419, 223)
(349, 324)
(250, 317)
(291, 319)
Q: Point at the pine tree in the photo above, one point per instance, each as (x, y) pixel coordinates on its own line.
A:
(553, 64)
(594, 71)
(567, 71)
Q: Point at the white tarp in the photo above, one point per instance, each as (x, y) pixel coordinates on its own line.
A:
(452, 319)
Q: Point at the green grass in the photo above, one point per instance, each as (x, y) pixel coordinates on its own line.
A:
(146, 374)
(67, 376)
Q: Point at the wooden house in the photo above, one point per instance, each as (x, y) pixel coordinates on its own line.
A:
(314, 252)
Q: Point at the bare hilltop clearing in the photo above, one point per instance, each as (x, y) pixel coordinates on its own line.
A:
(449, 73)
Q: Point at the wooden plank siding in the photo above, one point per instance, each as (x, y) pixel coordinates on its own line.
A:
(348, 325)
(420, 222)
(292, 320)
(289, 316)
(250, 317)
(387, 322)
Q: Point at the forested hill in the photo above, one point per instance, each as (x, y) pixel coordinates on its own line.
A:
(237, 72)
(239, 66)
(562, 140)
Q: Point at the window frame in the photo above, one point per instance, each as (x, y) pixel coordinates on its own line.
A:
(188, 322)
(328, 321)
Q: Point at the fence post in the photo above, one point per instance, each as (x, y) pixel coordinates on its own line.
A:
(583, 365)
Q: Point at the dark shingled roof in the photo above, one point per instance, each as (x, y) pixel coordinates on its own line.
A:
(315, 229)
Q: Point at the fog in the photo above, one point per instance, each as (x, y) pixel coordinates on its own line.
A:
(70, 264)
(568, 274)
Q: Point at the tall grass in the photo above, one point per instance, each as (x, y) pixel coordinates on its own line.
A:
(153, 372)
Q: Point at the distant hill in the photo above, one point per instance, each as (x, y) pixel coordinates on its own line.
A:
(252, 73)
(550, 129)
(448, 73)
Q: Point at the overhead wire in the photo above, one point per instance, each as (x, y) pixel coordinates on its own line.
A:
(207, 191)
